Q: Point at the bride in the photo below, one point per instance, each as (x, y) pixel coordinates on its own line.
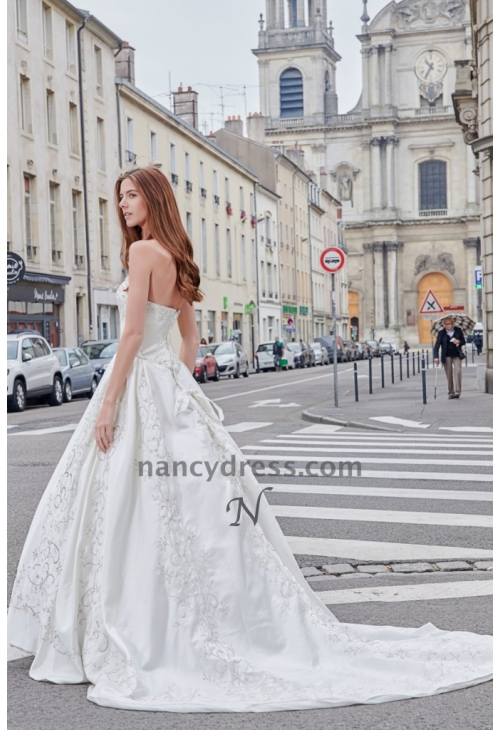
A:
(134, 577)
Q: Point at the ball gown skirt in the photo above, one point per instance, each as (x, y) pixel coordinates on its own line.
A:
(134, 580)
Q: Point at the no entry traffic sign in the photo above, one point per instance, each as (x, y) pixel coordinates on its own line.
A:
(332, 259)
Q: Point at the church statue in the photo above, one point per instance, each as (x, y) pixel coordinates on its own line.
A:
(345, 188)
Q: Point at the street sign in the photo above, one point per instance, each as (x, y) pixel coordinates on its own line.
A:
(478, 277)
(453, 308)
(289, 321)
(430, 305)
(15, 268)
(332, 259)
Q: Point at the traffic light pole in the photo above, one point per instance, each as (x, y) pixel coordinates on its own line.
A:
(334, 328)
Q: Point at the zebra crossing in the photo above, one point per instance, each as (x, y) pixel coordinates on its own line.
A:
(423, 500)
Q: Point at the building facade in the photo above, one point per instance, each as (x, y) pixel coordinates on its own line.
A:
(215, 194)
(62, 164)
(397, 162)
(473, 103)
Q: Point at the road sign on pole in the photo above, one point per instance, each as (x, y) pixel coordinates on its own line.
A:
(332, 259)
(430, 305)
(478, 277)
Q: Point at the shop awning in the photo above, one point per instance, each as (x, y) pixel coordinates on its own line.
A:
(37, 277)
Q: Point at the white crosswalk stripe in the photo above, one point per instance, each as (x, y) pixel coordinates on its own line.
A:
(354, 530)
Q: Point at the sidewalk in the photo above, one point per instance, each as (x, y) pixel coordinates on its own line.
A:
(403, 399)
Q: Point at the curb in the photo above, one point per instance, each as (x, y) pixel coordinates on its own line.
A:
(308, 416)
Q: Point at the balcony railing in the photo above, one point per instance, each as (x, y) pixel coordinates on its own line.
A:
(130, 156)
(56, 256)
(174, 178)
(79, 261)
(31, 252)
(104, 261)
(433, 213)
(433, 111)
(189, 186)
(216, 200)
(203, 192)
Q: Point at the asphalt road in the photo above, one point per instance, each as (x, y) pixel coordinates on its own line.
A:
(389, 521)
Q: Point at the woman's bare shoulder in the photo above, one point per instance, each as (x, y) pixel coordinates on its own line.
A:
(152, 250)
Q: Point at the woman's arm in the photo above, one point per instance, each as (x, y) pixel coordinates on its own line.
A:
(140, 268)
(189, 333)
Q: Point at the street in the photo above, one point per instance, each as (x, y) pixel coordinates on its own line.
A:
(404, 542)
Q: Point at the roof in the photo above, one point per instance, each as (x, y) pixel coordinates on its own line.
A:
(207, 141)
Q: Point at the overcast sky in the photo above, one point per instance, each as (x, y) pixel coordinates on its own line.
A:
(207, 44)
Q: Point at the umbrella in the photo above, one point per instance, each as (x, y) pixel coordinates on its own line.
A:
(465, 323)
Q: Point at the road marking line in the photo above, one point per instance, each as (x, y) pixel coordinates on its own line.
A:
(348, 450)
(41, 431)
(379, 474)
(279, 385)
(383, 551)
(373, 515)
(392, 492)
(247, 426)
(11, 426)
(393, 441)
(400, 421)
(319, 429)
(368, 460)
(475, 429)
(419, 592)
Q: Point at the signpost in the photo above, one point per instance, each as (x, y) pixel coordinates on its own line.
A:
(478, 277)
(333, 260)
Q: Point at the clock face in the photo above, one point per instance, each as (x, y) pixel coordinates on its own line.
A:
(430, 66)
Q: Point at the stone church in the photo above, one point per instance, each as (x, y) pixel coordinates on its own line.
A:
(398, 162)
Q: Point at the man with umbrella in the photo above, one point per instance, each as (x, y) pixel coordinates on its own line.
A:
(450, 338)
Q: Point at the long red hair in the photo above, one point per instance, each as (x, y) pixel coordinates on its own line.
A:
(165, 226)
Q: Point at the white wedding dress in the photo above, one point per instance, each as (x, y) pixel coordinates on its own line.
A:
(141, 586)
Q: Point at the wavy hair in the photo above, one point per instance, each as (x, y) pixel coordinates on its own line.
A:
(165, 226)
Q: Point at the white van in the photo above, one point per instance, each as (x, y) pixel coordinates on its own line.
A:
(265, 359)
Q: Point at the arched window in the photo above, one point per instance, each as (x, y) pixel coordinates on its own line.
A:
(291, 93)
(432, 185)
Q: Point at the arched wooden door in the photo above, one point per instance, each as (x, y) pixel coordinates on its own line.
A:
(442, 289)
(353, 313)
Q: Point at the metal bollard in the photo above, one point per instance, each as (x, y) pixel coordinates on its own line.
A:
(465, 357)
(413, 361)
(407, 364)
(392, 368)
(472, 350)
(418, 361)
(382, 369)
(424, 384)
(370, 382)
(356, 391)
(427, 358)
(400, 366)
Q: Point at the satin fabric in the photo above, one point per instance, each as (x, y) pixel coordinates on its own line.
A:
(143, 587)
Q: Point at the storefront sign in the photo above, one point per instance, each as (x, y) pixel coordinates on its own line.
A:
(15, 267)
(36, 293)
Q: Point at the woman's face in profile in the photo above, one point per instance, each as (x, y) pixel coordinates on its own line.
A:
(132, 204)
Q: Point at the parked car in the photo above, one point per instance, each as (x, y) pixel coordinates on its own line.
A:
(303, 355)
(352, 350)
(33, 371)
(327, 341)
(100, 353)
(395, 347)
(374, 347)
(231, 358)
(264, 357)
(385, 347)
(79, 375)
(320, 353)
(206, 366)
(364, 350)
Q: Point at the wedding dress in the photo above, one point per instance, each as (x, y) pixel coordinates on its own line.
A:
(143, 587)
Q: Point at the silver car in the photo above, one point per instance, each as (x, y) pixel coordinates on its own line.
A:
(265, 359)
(231, 358)
(79, 376)
(320, 353)
(32, 371)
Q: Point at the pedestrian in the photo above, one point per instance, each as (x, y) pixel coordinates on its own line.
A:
(451, 340)
(277, 352)
(406, 347)
(203, 341)
(478, 341)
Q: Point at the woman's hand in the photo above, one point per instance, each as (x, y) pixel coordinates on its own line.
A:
(436, 359)
(104, 426)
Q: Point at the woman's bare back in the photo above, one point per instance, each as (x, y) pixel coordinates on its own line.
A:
(162, 286)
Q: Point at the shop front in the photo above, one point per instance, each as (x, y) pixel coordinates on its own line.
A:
(36, 302)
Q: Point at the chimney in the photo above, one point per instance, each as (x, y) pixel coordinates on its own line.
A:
(323, 177)
(186, 105)
(296, 155)
(256, 127)
(125, 63)
(234, 125)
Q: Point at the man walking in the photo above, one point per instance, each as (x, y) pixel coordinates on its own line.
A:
(451, 340)
(277, 352)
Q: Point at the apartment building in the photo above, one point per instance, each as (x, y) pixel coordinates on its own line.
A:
(62, 165)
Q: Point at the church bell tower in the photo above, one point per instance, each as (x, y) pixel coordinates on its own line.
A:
(297, 62)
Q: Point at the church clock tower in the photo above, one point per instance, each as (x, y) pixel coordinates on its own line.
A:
(297, 62)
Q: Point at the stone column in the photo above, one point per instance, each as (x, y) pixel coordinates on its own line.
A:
(376, 173)
(389, 172)
(378, 284)
(270, 14)
(301, 16)
(388, 74)
(375, 77)
(365, 55)
(392, 281)
(471, 261)
(281, 13)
